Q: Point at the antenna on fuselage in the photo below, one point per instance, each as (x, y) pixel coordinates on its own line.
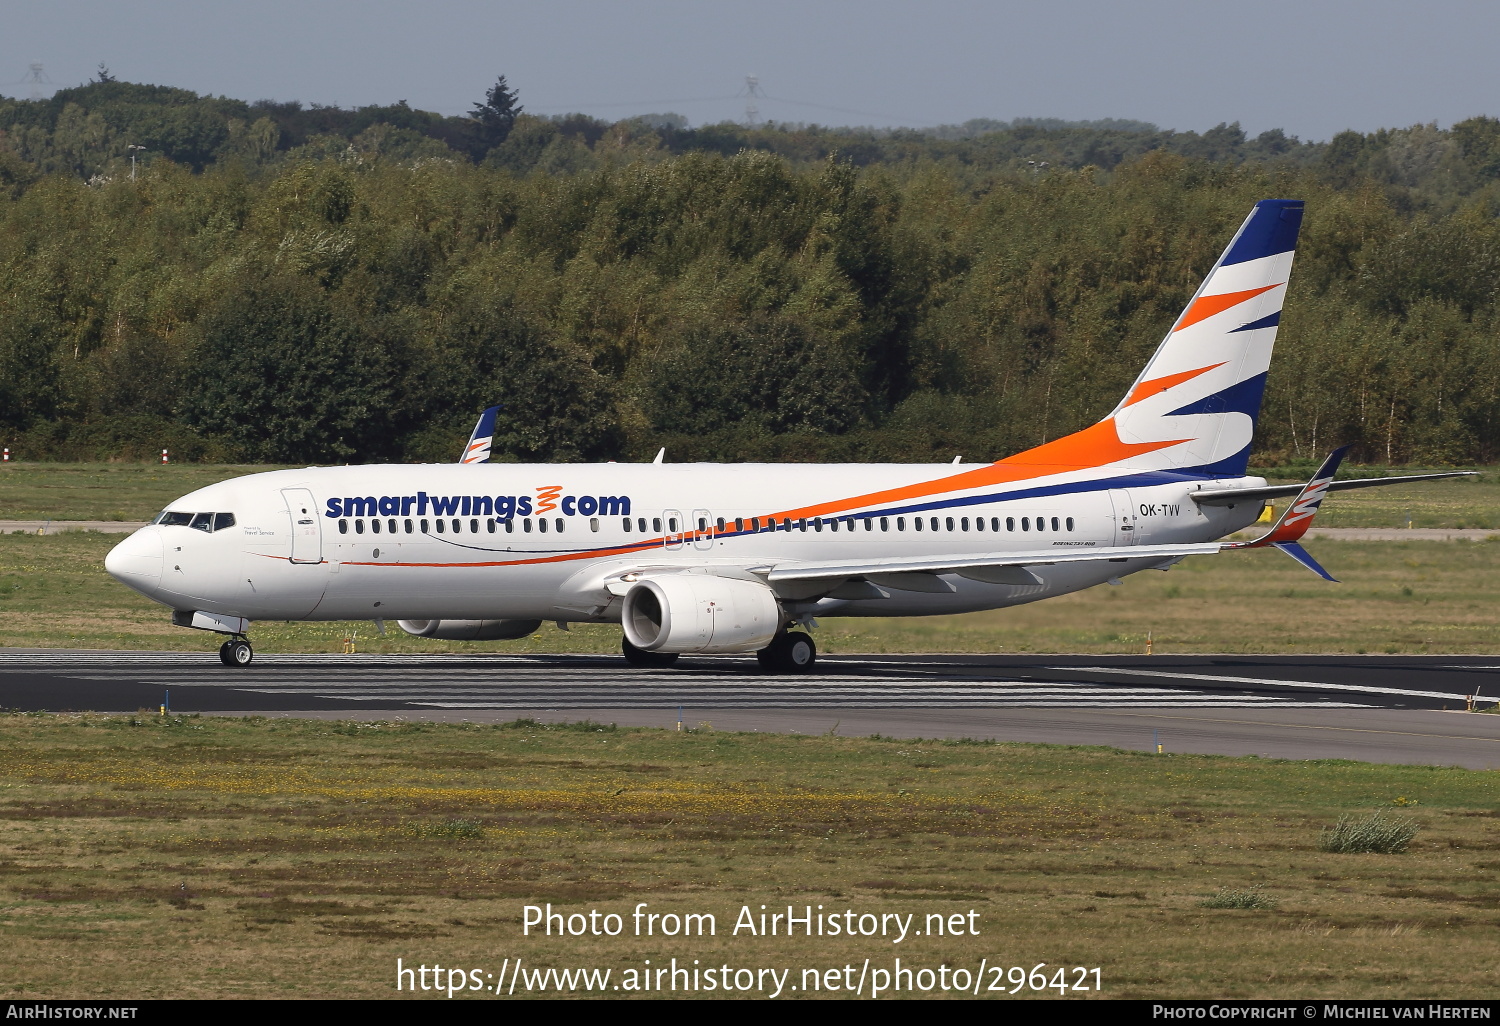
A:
(660, 455)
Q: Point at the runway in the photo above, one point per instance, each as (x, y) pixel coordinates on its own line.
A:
(1383, 709)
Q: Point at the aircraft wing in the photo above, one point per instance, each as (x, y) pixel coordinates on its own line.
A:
(992, 568)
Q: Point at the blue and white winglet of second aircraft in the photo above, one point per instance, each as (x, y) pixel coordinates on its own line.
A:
(709, 558)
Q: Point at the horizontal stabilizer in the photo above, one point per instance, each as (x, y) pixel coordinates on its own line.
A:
(1234, 496)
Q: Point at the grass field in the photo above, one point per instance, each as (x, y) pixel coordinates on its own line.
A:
(136, 491)
(168, 857)
(1396, 597)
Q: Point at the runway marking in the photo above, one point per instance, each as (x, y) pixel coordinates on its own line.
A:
(1319, 726)
(1367, 689)
(513, 687)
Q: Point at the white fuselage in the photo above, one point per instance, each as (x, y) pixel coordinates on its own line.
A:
(516, 541)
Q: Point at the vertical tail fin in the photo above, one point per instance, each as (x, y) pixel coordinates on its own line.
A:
(478, 449)
(1201, 392)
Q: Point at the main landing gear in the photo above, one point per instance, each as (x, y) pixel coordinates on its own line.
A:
(789, 652)
(646, 660)
(236, 652)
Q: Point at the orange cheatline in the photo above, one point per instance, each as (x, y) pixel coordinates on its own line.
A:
(1206, 306)
(1146, 389)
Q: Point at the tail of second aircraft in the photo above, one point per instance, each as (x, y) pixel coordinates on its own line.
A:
(478, 448)
(1193, 409)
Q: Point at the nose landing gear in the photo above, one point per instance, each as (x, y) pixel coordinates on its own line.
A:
(236, 652)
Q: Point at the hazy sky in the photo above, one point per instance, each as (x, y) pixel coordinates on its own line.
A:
(1312, 67)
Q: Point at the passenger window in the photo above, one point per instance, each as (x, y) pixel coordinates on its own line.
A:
(949, 523)
(359, 527)
(526, 525)
(1054, 523)
(458, 526)
(869, 523)
(627, 525)
(739, 525)
(594, 524)
(223, 521)
(916, 523)
(818, 524)
(424, 527)
(1025, 523)
(473, 527)
(964, 523)
(374, 526)
(203, 522)
(1070, 523)
(541, 525)
(656, 524)
(640, 524)
(979, 523)
(391, 526)
(786, 524)
(1010, 523)
(510, 525)
(559, 525)
(343, 527)
(994, 524)
(802, 523)
(935, 524)
(900, 523)
(672, 524)
(490, 525)
(408, 527)
(436, 523)
(885, 523)
(754, 523)
(703, 524)
(1041, 523)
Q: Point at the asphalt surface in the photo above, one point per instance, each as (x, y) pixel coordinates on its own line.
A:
(1404, 709)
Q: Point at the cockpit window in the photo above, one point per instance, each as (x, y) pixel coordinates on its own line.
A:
(205, 522)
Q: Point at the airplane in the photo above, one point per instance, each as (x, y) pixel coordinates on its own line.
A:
(731, 558)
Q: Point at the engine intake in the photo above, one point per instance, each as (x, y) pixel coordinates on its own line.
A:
(469, 630)
(700, 613)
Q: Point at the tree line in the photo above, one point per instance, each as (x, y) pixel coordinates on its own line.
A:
(281, 283)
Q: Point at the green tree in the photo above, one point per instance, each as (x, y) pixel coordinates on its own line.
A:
(495, 116)
(285, 377)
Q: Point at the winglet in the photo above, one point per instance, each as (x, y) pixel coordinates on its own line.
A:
(1298, 517)
(478, 449)
(1304, 557)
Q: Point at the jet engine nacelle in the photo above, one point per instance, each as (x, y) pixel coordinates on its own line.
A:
(700, 613)
(469, 630)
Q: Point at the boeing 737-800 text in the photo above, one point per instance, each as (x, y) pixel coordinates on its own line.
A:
(708, 558)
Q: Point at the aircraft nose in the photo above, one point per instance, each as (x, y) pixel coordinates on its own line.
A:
(136, 561)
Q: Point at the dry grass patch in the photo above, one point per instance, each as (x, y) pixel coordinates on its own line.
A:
(272, 858)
